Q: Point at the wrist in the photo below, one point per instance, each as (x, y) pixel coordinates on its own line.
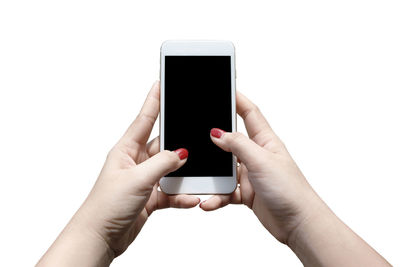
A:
(86, 224)
(79, 244)
(309, 218)
(311, 238)
(322, 239)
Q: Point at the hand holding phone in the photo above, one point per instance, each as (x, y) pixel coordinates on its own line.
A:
(198, 94)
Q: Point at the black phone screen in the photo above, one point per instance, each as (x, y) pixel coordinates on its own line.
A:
(197, 98)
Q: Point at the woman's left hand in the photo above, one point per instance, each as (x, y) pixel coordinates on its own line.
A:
(126, 191)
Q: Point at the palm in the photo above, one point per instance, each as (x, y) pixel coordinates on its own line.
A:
(157, 199)
(127, 154)
(268, 186)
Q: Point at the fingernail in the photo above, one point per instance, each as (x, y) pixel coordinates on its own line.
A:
(201, 203)
(182, 153)
(216, 132)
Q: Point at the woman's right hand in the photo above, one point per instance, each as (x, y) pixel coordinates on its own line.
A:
(270, 183)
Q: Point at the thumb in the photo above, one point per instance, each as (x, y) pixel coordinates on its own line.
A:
(241, 146)
(161, 164)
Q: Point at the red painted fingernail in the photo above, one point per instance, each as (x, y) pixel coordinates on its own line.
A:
(216, 132)
(182, 153)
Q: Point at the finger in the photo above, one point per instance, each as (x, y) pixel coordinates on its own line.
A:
(153, 147)
(257, 126)
(242, 147)
(162, 163)
(246, 189)
(218, 201)
(215, 202)
(160, 200)
(176, 201)
(139, 131)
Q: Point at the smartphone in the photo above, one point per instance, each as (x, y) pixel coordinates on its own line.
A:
(198, 94)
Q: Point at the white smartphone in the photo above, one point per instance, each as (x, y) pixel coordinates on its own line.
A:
(198, 94)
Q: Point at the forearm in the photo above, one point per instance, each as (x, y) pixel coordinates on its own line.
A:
(323, 239)
(77, 245)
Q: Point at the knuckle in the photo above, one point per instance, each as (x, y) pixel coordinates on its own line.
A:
(255, 108)
(111, 153)
(146, 118)
(236, 137)
(171, 158)
(178, 202)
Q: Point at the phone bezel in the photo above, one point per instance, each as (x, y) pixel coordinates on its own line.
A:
(202, 184)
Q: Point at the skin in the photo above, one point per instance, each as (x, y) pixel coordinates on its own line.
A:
(123, 197)
(270, 183)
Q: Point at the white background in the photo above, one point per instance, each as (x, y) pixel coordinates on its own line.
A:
(74, 74)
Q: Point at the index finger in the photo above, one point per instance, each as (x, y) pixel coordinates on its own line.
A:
(140, 130)
(256, 125)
